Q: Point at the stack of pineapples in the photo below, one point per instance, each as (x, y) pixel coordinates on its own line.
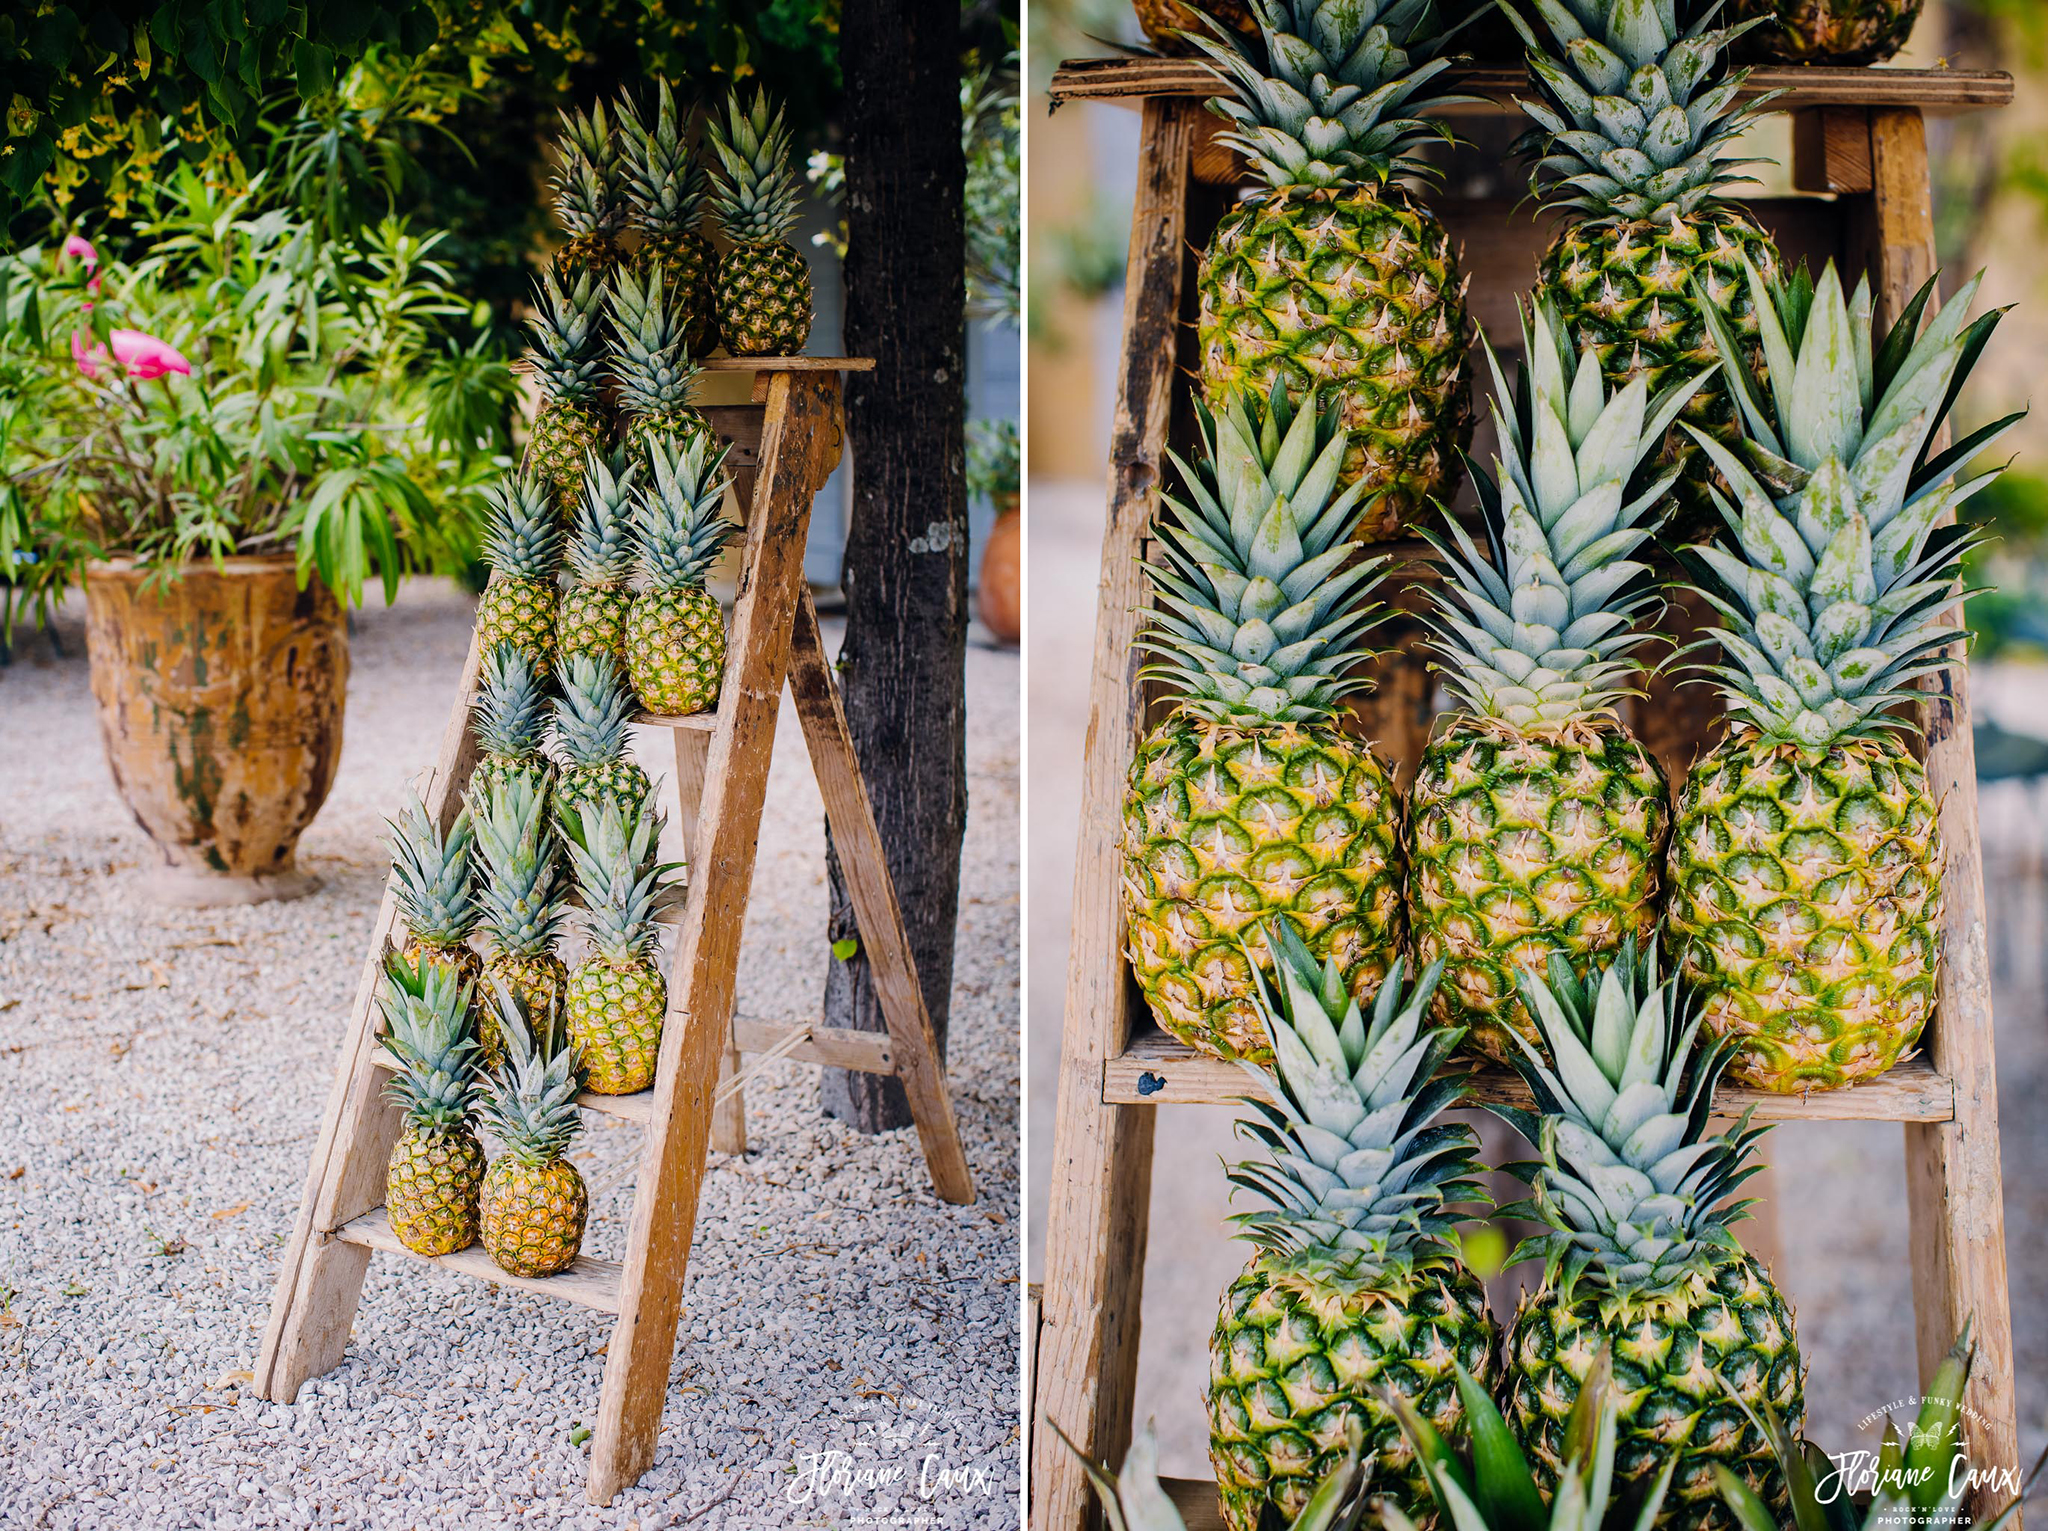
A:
(1677, 378)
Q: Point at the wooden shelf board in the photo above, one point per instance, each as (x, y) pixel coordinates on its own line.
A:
(1155, 1070)
(788, 364)
(702, 722)
(1938, 92)
(631, 1108)
(1195, 1498)
(591, 1282)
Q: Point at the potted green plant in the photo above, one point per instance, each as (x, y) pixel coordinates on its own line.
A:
(225, 440)
(993, 469)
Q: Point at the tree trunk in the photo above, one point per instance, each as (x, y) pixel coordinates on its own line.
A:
(902, 667)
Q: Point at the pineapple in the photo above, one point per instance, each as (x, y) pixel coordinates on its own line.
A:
(675, 633)
(523, 910)
(571, 422)
(1356, 1290)
(764, 283)
(523, 546)
(1167, 23)
(1630, 137)
(652, 367)
(592, 618)
(437, 1165)
(434, 883)
(1249, 799)
(511, 714)
(586, 189)
(1333, 277)
(1639, 1259)
(1806, 859)
(590, 734)
(534, 1201)
(666, 187)
(1830, 31)
(1537, 822)
(616, 994)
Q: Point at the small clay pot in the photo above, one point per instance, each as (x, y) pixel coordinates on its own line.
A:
(999, 588)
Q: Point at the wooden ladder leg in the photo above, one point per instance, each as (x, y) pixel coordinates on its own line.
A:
(693, 749)
(799, 446)
(880, 917)
(1954, 1181)
(321, 1279)
(1100, 1184)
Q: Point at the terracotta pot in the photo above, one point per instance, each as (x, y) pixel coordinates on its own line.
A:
(220, 696)
(999, 589)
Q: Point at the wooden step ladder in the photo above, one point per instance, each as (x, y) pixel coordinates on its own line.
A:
(784, 445)
(1859, 135)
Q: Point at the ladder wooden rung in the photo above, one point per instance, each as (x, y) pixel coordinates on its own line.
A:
(704, 722)
(869, 1052)
(1156, 1070)
(591, 1282)
(630, 1108)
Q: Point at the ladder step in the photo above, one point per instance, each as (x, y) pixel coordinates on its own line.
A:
(1156, 1070)
(703, 722)
(631, 1108)
(866, 1052)
(591, 1282)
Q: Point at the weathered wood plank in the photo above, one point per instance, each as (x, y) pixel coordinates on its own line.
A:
(1102, 1156)
(692, 749)
(591, 1282)
(842, 1047)
(866, 869)
(320, 1281)
(790, 364)
(798, 449)
(1831, 149)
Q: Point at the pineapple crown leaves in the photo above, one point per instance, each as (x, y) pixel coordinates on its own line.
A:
(511, 712)
(435, 884)
(524, 537)
(651, 363)
(1636, 106)
(1833, 601)
(566, 340)
(530, 1102)
(601, 552)
(1259, 606)
(677, 514)
(665, 184)
(522, 906)
(585, 181)
(757, 190)
(592, 710)
(624, 887)
(1332, 92)
(1358, 1164)
(1631, 1181)
(1133, 1500)
(427, 1034)
(1495, 1489)
(1538, 630)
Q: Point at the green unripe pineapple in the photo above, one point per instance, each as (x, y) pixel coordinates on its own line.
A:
(675, 633)
(764, 282)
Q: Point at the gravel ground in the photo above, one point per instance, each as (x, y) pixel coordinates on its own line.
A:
(165, 1073)
(1841, 1218)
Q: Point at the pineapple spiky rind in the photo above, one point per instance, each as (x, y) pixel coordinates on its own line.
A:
(1633, 1186)
(591, 718)
(585, 185)
(523, 906)
(602, 555)
(1356, 1284)
(652, 367)
(436, 1168)
(666, 189)
(763, 283)
(1333, 277)
(1829, 31)
(1537, 823)
(533, 1202)
(510, 723)
(435, 885)
(616, 996)
(1249, 799)
(566, 359)
(523, 546)
(1806, 859)
(675, 632)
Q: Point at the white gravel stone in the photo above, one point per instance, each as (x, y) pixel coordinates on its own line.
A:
(165, 1072)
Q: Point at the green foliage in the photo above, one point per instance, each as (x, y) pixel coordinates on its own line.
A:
(993, 142)
(992, 458)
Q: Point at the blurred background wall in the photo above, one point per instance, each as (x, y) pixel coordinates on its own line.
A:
(1841, 1217)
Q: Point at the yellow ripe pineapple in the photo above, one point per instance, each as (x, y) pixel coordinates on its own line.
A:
(591, 717)
(675, 633)
(1806, 859)
(1333, 276)
(1250, 799)
(436, 1169)
(666, 188)
(523, 546)
(1537, 822)
(435, 885)
(764, 282)
(617, 998)
(652, 367)
(592, 618)
(565, 360)
(534, 1203)
(523, 907)
(587, 193)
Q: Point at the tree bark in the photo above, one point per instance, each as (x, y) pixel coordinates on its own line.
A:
(902, 667)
